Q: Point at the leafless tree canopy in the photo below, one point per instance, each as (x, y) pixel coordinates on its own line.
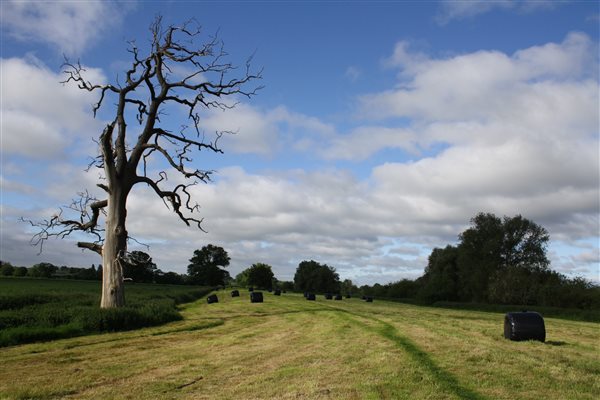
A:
(154, 82)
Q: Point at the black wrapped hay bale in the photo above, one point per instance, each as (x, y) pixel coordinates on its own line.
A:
(251, 289)
(526, 325)
(235, 293)
(338, 296)
(256, 297)
(328, 296)
(364, 297)
(212, 299)
(311, 296)
(368, 299)
(277, 292)
(348, 296)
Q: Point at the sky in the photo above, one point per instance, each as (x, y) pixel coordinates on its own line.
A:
(383, 127)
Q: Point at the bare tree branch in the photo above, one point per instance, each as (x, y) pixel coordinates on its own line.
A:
(152, 85)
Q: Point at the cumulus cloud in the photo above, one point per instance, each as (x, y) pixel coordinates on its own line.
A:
(41, 116)
(457, 10)
(263, 132)
(70, 26)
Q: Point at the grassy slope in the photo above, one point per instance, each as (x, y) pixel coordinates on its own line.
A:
(289, 348)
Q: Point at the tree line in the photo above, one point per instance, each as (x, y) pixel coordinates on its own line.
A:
(497, 261)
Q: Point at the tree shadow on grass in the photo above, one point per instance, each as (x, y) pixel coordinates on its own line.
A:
(446, 379)
(423, 359)
(555, 343)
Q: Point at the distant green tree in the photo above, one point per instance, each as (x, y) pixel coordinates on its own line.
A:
(404, 289)
(491, 245)
(440, 280)
(204, 268)
(260, 275)
(6, 268)
(286, 285)
(20, 271)
(241, 279)
(315, 277)
(168, 278)
(42, 270)
(347, 287)
(139, 267)
(514, 285)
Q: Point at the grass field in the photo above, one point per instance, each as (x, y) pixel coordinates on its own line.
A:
(290, 348)
(42, 309)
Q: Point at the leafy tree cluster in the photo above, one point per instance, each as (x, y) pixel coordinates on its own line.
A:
(49, 270)
(259, 275)
(138, 267)
(205, 266)
(499, 261)
(490, 251)
(312, 276)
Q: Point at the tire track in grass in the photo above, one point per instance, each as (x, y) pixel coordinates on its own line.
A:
(388, 331)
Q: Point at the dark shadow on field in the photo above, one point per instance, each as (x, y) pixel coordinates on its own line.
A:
(446, 379)
(555, 343)
(421, 357)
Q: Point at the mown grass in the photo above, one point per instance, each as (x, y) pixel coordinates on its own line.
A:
(42, 309)
(290, 348)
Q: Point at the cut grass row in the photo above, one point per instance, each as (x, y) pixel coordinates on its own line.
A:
(289, 348)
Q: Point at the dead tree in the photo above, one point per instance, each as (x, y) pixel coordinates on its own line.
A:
(153, 83)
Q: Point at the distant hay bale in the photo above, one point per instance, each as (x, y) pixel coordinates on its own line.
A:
(256, 297)
(348, 296)
(328, 296)
(212, 299)
(368, 299)
(251, 289)
(277, 292)
(338, 296)
(235, 293)
(526, 325)
(364, 297)
(311, 296)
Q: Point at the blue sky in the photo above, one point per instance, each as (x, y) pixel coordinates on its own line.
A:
(382, 129)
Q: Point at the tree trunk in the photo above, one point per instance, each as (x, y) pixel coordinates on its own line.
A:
(114, 249)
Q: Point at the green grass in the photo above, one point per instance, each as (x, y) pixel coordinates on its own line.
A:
(44, 309)
(290, 348)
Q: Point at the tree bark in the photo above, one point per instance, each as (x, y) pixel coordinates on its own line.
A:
(114, 249)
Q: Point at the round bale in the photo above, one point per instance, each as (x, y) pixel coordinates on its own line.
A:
(212, 299)
(526, 325)
(256, 297)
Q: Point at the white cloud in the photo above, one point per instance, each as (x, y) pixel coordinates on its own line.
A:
(41, 116)
(263, 132)
(70, 26)
(463, 9)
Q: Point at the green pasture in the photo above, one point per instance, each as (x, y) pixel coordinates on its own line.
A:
(290, 348)
(43, 309)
